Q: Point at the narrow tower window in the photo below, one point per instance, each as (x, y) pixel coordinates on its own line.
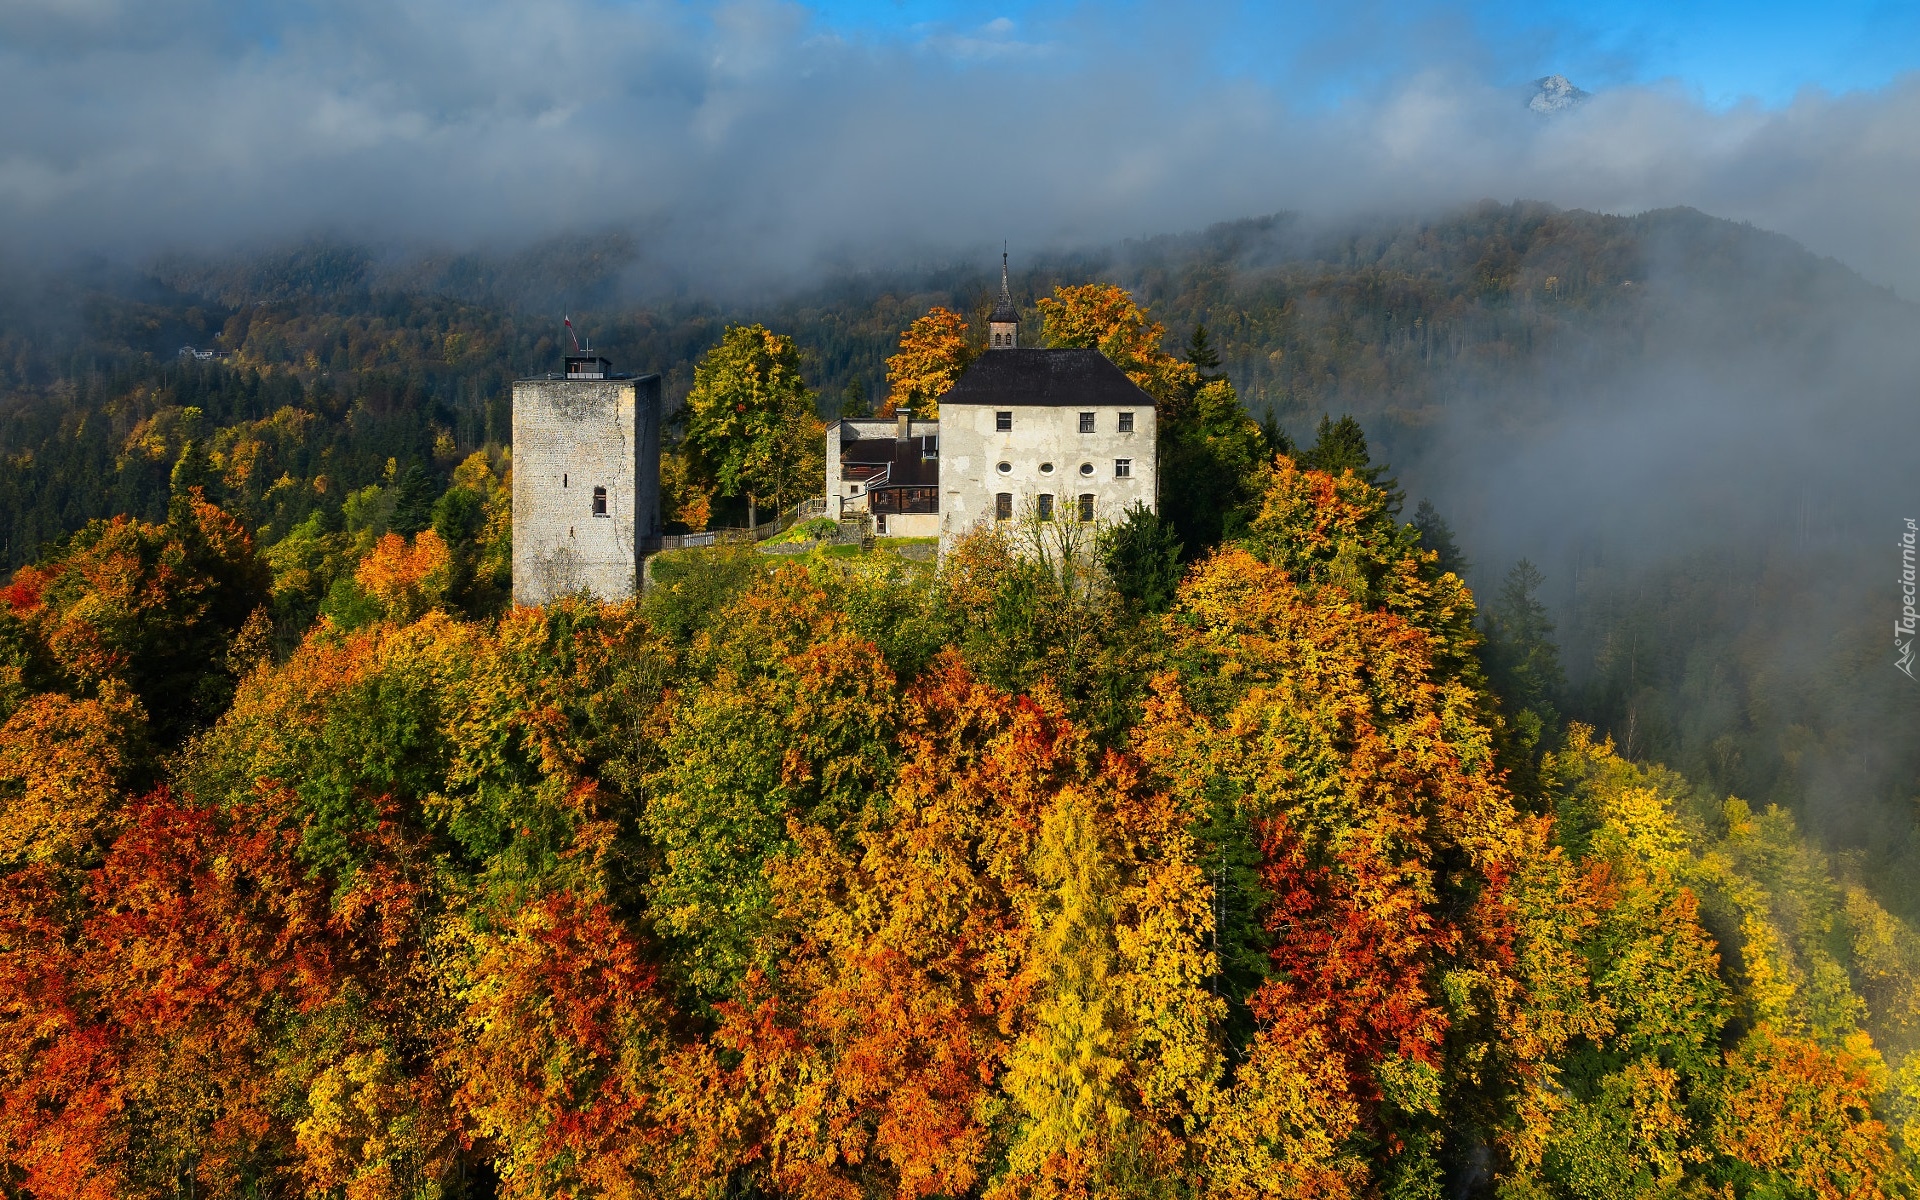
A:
(563, 479)
(599, 502)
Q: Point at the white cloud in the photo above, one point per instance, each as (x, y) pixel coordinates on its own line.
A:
(747, 139)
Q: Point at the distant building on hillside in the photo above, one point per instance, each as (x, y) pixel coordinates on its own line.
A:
(586, 480)
(1063, 433)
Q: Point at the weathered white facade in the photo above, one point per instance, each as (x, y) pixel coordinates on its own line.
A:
(989, 473)
(586, 482)
(856, 449)
(1063, 434)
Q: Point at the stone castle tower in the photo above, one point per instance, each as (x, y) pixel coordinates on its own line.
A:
(586, 480)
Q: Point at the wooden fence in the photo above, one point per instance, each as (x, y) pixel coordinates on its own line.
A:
(806, 510)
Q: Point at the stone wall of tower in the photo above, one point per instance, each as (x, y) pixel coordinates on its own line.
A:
(571, 436)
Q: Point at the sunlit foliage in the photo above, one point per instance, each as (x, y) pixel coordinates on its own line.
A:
(749, 422)
(1014, 877)
(934, 351)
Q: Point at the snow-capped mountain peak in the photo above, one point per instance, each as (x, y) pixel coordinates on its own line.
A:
(1554, 93)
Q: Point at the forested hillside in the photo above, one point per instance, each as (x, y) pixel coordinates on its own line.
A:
(1680, 421)
(848, 876)
(1230, 852)
(1394, 325)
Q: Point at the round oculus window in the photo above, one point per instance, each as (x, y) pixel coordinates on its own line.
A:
(1046, 468)
(1006, 468)
(1086, 468)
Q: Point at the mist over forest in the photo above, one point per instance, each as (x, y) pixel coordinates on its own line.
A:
(1688, 425)
(1486, 773)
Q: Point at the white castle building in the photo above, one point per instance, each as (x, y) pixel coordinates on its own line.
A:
(586, 481)
(1063, 432)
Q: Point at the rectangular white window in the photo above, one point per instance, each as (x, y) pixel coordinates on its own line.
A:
(1126, 422)
(1122, 468)
(1003, 421)
(1086, 422)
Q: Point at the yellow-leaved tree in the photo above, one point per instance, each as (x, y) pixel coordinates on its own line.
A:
(749, 423)
(934, 352)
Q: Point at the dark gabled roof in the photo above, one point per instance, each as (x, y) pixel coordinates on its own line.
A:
(911, 468)
(1058, 377)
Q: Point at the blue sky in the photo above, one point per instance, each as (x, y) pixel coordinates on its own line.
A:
(752, 140)
(1721, 52)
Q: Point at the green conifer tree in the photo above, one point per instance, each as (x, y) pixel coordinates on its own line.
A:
(1205, 359)
(1142, 557)
(1342, 446)
(1523, 667)
(1436, 535)
(413, 502)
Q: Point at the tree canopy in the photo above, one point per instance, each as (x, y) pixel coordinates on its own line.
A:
(749, 421)
(843, 876)
(934, 352)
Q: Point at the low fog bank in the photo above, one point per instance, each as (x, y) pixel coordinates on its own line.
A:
(1697, 430)
(1716, 501)
(751, 145)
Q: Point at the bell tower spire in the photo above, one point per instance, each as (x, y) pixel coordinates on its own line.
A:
(1003, 324)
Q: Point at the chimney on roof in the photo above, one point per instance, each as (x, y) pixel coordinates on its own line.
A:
(905, 418)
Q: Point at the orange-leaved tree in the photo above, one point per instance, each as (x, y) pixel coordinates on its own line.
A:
(152, 608)
(407, 578)
(514, 1040)
(64, 767)
(1382, 844)
(142, 1054)
(934, 352)
(560, 1056)
(1019, 928)
(1104, 317)
(1326, 727)
(1797, 1119)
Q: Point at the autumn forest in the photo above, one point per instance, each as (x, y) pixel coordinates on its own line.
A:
(1237, 851)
